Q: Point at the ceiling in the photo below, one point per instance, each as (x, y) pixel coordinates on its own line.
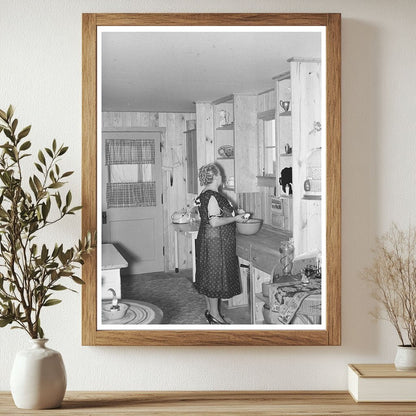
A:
(169, 72)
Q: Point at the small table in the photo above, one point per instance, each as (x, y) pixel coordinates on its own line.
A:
(111, 263)
(190, 230)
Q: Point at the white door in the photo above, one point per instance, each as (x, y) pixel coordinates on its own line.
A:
(132, 198)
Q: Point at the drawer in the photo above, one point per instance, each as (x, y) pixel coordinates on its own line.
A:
(278, 221)
(263, 261)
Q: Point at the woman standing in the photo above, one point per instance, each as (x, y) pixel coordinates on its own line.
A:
(217, 270)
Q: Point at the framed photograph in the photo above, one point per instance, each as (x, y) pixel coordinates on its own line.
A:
(211, 173)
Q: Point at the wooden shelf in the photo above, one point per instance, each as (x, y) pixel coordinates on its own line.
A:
(312, 197)
(227, 188)
(226, 127)
(286, 154)
(225, 158)
(186, 403)
(285, 114)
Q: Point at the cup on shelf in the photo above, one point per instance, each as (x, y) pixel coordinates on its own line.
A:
(285, 105)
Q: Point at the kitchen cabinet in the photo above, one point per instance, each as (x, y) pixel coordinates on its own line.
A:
(283, 218)
(261, 251)
(235, 142)
(305, 75)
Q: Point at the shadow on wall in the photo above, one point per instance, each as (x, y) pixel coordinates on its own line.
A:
(361, 185)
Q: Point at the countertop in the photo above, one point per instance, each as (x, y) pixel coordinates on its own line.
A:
(111, 258)
(181, 403)
(268, 239)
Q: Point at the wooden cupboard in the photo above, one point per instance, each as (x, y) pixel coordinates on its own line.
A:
(305, 75)
(234, 140)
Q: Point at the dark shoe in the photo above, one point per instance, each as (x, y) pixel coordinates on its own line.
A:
(211, 320)
(226, 320)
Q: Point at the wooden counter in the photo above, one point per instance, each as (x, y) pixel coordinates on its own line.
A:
(287, 403)
(262, 248)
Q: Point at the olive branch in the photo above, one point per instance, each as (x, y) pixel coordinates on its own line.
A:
(31, 274)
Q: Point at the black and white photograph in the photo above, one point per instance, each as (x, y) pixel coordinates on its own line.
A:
(211, 167)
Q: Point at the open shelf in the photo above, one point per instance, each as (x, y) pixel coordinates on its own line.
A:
(226, 127)
(312, 197)
(285, 114)
(225, 158)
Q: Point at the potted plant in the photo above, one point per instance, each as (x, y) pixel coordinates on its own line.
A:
(393, 277)
(31, 269)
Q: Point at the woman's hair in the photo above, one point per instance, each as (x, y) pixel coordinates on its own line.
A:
(207, 173)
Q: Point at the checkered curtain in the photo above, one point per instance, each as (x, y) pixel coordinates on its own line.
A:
(129, 151)
(133, 192)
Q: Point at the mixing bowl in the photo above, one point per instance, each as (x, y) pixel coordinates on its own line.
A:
(252, 226)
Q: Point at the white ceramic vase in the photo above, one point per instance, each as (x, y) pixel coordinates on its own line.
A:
(38, 377)
(405, 358)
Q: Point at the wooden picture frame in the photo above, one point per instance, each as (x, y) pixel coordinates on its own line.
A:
(331, 335)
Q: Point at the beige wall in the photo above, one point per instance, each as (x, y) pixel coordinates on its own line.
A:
(40, 73)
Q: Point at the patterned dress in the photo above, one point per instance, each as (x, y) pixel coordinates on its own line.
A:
(217, 271)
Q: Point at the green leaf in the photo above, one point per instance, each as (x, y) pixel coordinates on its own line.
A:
(10, 112)
(40, 331)
(44, 253)
(49, 151)
(51, 302)
(77, 208)
(67, 174)
(41, 157)
(5, 321)
(39, 167)
(8, 133)
(54, 145)
(14, 125)
(37, 183)
(76, 279)
(56, 185)
(63, 150)
(68, 198)
(24, 132)
(58, 199)
(3, 115)
(25, 145)
(33, 187)
(45, 211)
(59, 287)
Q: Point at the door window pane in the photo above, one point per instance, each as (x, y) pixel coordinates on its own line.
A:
(131, 169)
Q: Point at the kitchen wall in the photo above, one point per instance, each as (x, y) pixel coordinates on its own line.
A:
(40, 73)
(173, 167)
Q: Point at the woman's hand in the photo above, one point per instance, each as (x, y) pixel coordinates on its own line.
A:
(241, 218)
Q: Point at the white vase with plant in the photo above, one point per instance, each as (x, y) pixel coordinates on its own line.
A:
(393, 277)
(31, 272)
